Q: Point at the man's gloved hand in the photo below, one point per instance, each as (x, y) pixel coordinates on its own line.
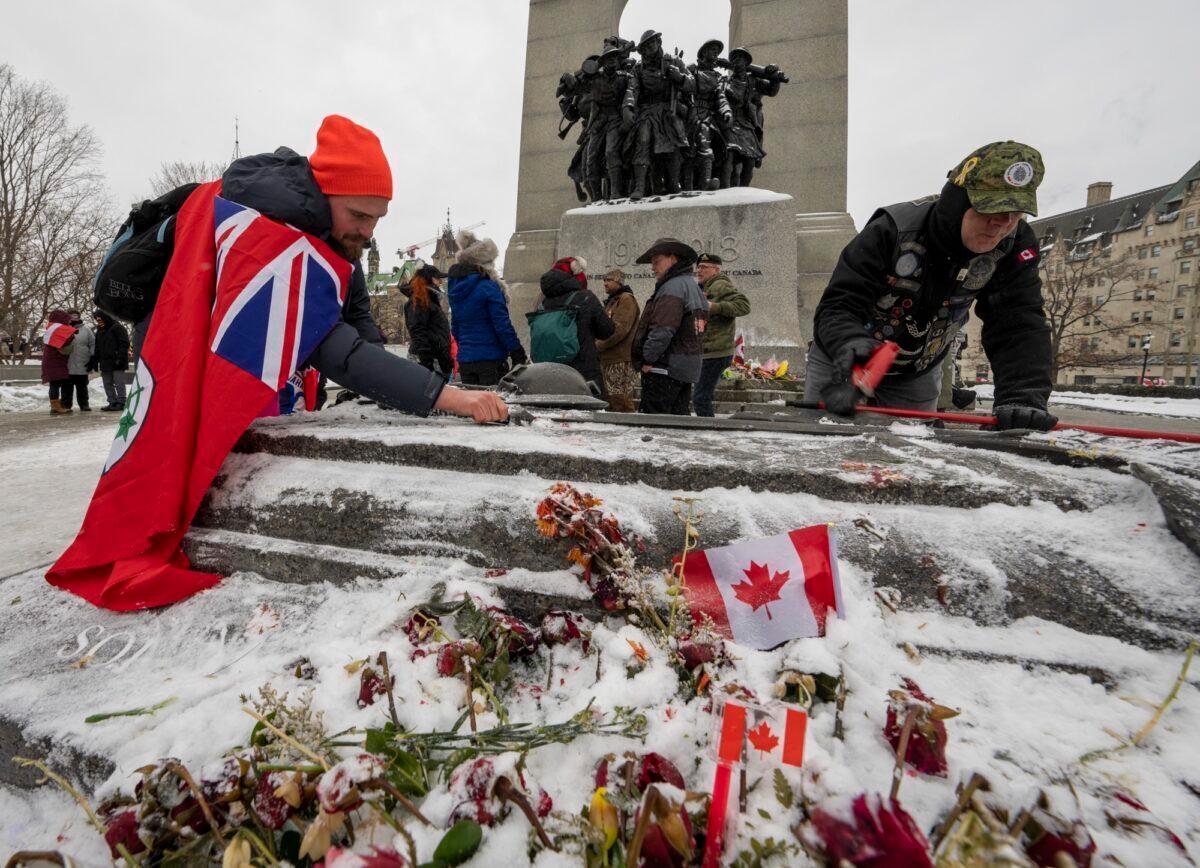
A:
(1010, 416)
(841, 398)
(518, 357)
(853, 352)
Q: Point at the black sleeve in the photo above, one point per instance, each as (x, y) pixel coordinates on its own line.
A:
(419, 345)
(357, 309)
(858, 280)
(1015, 334)
(602, 326)
(370, 370)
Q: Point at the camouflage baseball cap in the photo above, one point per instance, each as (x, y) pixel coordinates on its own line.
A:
(1000, 177)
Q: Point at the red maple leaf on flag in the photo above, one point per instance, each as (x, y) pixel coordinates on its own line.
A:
(761, 738)
(762, 587)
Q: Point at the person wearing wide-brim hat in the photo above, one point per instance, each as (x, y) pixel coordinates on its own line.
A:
(743, 134)
(666, 346)
(911, 277)
(711, 110)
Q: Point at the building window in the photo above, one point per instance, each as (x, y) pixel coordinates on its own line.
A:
(1156, 250)
(1185, 267)
(1085, 379)
(1154, 273)
(1147, 316)
(1135, 317)
(1100, 299)
(1179, 312)
(1143, 253)
(1095, 343)
(1133, 342)
(1181, 290)
(1150, 294)
(1189, 221)
(1189, 244)
(1137, 295)
(1176, 340)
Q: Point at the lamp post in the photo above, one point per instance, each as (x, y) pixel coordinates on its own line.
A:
(1145, 358)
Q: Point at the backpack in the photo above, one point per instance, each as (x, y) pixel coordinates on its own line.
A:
(553, 335)
(133, 269)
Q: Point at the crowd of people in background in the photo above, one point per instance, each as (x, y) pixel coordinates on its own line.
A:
(673, 351)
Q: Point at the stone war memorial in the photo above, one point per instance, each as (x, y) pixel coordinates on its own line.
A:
(779, 237)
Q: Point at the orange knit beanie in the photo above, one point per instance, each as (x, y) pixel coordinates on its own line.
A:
(349, 160)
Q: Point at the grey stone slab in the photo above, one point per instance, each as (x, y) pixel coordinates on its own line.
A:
(751, 230)
(84, 770)
(1179, 497)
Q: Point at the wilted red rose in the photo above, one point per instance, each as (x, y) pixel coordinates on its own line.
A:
(657, 769)
(869, 834)
(926, 751)
(121, 828)
(523, 639)
(272, 810)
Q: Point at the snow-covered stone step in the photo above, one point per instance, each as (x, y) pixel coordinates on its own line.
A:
(674, 459)
(993, 564)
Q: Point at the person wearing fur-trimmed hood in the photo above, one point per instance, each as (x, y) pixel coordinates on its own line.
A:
(479, 318)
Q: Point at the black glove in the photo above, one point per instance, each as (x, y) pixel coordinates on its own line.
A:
(841, 398)
(518, 357)
(1011, 416)
(852, 352)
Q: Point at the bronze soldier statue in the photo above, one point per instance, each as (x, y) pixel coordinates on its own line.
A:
(574, 101)
(651, 102)
(606, 127)
(744, 90)
(709, 109)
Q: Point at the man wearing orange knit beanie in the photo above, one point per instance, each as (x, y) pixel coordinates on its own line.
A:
(339, 194)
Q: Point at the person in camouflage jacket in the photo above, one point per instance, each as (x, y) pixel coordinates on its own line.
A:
(725, 304)
(914, 272)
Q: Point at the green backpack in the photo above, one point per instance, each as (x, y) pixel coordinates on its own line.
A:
(553, 335)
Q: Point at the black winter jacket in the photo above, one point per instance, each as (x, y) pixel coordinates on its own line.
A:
(591, 322)
(281, 186)
(429, 331)
(874, 293)
(112, 347)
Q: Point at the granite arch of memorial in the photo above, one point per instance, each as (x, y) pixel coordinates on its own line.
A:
(805, 131)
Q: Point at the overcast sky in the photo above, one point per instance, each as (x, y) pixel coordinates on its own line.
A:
(1107, 89)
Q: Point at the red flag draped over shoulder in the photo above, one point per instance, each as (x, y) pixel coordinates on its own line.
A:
(245, 300)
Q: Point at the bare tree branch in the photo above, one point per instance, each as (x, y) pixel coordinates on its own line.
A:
(180, 172)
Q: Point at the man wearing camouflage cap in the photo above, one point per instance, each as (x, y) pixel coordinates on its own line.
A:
(911, 277)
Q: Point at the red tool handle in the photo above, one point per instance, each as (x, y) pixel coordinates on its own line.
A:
(978, 419)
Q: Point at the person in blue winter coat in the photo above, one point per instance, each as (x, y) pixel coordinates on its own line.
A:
(487, 342)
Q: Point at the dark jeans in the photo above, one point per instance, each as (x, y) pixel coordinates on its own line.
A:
(80, 382)
(61, 390)
(663, 394)
(710, 375)
(114, 386)
(481, 373)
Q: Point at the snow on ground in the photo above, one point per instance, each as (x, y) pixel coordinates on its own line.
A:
(47, 482)
(36, 396)
(1024, 728)
(1182, 408)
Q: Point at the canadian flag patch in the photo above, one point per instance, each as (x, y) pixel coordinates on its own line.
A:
(1027, 254)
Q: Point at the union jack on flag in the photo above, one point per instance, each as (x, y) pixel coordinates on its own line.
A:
(278, 293)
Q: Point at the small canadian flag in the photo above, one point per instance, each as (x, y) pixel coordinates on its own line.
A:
(58, 334)
(764, 592)
(773, 735)
(1027, 254)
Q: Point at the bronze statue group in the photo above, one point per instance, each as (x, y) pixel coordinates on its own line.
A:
(655, 125)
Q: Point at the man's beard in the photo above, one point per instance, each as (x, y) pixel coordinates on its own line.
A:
(349, 247)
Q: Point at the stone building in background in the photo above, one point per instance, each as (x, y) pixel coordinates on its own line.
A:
(1120, 281)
